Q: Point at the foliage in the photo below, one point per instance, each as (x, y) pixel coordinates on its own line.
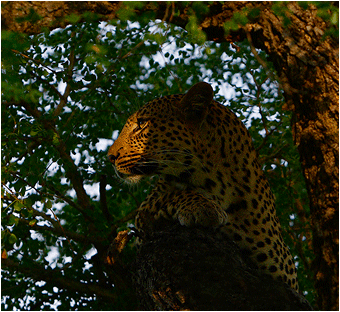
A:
(324, 9)
(65, 93)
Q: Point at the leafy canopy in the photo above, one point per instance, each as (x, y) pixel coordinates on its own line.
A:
(65, 93)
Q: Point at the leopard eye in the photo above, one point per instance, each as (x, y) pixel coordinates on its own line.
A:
(141, 123)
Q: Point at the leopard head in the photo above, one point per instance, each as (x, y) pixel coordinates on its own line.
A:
(188, 139)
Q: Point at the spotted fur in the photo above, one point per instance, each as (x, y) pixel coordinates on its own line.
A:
(208, 174)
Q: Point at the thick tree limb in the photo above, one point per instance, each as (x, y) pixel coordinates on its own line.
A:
(196, 269)
(49, 14)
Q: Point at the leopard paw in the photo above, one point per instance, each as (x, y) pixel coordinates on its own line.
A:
(207, 215)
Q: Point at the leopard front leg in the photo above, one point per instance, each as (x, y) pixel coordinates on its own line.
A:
(194, 209)
(186, 207)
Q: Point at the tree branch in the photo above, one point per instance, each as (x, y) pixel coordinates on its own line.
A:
(55, 194)
(69, 166)
(64, 233)
(39, 272)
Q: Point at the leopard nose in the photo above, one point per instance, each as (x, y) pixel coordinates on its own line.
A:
(113, 153)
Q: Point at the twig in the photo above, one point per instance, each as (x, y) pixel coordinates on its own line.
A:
(102, 194)
(70, 168)
(131, 51)
(264, 121)
(60, 196)
(33, 60)
(63, 230)
(123, 220)
(258, 91)
(63, 99)
(166, 12)
(259, 59)
(172, 11)
(268, 134)
(49, 85)
(65, 233)
(276, 154)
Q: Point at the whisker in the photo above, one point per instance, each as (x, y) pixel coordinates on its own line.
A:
(178, 152)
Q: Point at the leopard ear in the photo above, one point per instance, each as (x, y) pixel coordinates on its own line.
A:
(194, 106)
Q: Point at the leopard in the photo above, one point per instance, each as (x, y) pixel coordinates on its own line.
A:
(208, 174)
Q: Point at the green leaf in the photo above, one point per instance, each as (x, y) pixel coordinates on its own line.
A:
(32, 222)
(18, 205)
(230, 25)
(240, 18)
(127, 10)
(109, 34)
(48, 204)
(254, 13)
(73, 18)
(12, 220)
(28, 202)
(12, 239)
(197, 35)
(335, 18)
(55, 139)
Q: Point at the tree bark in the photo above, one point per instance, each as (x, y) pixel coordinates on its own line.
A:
(31, 17)
(182, 268)
(308, 72)
(307, 67)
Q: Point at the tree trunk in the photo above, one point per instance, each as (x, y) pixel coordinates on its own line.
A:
(308, 72)
(307, 66)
